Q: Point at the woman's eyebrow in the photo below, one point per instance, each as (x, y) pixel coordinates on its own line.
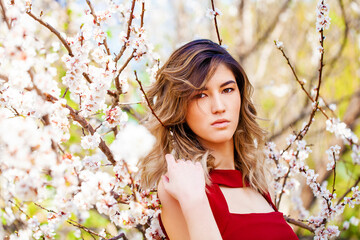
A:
(222, 85)
(226, 83)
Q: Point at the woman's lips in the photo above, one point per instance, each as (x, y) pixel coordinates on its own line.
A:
(220, 123)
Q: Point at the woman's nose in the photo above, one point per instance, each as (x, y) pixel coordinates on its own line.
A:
(217, 104)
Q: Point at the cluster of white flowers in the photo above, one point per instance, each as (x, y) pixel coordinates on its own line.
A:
(329, 232)
(271, 152)
(343, 132)
(132, 143)
(99, 35)
(322, 16)
(114, 117)
(35, 164)
(90, 141)
(296, 165)
(103, 16)
(290, 139)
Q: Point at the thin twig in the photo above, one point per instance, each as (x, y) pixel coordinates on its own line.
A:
(16, 111)
(117, 82)
(121, 235)
(123, 48)
(81, 120)
(66, 90)
(215, 22)
(78, 225)
(43, 208)
(53, 30)
(3, 11)
(334, 169)
(4, 77)
(86, 76)
(283, 186)
(18, 207)
(300, 82)
(337, 56)
(321, 66)
(71, 221)
(92, 12)
(147, 100)
(142, 14)
(305, 129)
(349, 190)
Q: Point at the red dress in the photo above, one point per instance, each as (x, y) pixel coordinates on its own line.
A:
(269, 226)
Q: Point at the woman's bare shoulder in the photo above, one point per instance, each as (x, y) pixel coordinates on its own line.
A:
(171, 215)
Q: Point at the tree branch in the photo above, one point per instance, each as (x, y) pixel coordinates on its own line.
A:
(123, 48)
(117, 82)
(215, 22)
(298, 223)
(147, 100)
(81, 120)
(300, 82)
(5, 18)
(349, 190)
(53, 30)
(92, 12)
(4, 77)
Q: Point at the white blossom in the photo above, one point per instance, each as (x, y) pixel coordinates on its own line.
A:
(90, 141)
(322, 15)
(114, 116)
(132, 143)
(279, 44)
(211, 13)
(332, 107)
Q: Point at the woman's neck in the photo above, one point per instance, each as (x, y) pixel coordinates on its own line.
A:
(223, 154)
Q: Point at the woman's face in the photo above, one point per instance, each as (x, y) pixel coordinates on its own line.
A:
(213, 113)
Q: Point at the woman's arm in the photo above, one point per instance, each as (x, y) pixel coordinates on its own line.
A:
(186, 184)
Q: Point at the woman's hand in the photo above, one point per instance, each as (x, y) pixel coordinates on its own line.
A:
(185, 180)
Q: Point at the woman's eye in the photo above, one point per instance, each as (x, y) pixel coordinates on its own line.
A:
(228, 90)
(200, 95)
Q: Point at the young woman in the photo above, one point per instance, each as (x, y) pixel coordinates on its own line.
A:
(214, 185)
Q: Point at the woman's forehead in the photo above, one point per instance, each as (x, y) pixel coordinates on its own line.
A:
(221, 76)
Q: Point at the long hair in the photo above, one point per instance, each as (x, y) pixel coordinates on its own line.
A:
(187, 70)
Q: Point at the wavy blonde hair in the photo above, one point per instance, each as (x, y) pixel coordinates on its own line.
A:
(187, 70)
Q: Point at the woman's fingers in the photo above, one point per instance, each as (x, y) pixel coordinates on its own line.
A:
(170, 160)
(184, 180)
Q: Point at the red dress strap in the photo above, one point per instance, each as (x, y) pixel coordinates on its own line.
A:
(226, 177)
